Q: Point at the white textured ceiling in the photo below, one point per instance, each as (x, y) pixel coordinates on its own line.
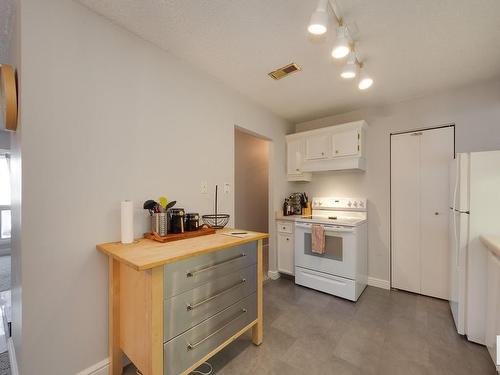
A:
(412, 47)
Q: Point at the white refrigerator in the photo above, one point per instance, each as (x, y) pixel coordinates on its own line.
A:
(474, 211)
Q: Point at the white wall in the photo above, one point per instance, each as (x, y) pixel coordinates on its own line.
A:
(476, 112)
(107, 116)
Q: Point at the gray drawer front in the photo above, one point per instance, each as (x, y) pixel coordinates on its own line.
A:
(192, 272)
(186, 310)
(183, 351)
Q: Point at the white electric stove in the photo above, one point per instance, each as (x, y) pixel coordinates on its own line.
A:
(342, 269)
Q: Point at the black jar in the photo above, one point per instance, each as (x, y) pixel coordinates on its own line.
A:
(177, 220)
(192, 221)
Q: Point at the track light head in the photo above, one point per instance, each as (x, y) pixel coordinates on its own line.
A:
(365, 81)
(319, 19)
(350, 69)
(342, 45)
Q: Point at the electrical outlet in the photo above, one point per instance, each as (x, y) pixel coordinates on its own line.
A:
(204, 187)
(227, 188)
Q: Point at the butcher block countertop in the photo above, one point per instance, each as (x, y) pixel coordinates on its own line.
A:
(492, 243)
(145, 254)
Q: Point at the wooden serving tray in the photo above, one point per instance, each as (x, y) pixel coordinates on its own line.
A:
(179, 236)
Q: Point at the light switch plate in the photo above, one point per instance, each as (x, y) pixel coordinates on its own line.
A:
(227, 188)
(204, 187)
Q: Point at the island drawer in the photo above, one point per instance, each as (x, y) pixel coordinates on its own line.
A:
(184, 350)
(186, 310)
(190, 273)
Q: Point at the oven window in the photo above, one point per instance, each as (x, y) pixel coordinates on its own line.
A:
(333, 247)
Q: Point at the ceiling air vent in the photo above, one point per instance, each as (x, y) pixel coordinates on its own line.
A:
(284, 71)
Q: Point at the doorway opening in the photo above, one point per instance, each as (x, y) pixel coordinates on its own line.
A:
(251, 185)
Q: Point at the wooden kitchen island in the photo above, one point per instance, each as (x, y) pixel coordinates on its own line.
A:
(174, 305)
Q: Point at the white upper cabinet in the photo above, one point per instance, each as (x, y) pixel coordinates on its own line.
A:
(332, 148)
(317, 147)
(295, 155)
(346, 143)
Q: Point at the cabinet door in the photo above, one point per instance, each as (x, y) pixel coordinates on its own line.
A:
(286, 262)
(436, 155)
(294, 156)
(317, 147)
(346, 143)
(405, 211)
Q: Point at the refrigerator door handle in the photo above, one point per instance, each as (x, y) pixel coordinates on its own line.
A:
(457, 245)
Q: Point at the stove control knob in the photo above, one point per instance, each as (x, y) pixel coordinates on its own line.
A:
(320, 203)
(355, 204)
(349, 203)
(361, 204)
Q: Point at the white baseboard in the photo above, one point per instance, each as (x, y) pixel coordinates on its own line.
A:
(273, 275)
(100, 368)
(14, 370)
(379, 283)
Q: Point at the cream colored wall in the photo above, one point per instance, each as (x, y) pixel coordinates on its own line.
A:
(107, 116)
(476, 112)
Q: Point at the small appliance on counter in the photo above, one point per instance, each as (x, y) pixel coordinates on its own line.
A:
(192, 221)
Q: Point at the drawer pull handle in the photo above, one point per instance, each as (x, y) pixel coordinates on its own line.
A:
(209, 268)
(193, 346)
(193, 306)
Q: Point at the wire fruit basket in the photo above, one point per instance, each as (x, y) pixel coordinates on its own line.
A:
(216, 221)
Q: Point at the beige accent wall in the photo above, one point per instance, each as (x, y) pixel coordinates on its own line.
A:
(251, 185)
(476, 112)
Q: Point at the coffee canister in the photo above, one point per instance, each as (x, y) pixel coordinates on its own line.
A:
(192, 221)
(177, 216)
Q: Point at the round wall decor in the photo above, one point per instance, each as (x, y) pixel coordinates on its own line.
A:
(8, 98)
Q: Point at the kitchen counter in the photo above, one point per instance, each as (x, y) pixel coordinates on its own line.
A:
(492, 243)
(144, 254)
(174, 305)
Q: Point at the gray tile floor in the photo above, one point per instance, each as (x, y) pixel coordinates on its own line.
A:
(385, 332)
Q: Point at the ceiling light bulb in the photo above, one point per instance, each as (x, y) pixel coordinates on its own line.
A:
(350, 69)
(342, 45)
(319, 19)
(365, 81)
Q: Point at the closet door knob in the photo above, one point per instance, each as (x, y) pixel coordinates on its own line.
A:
(436, 213)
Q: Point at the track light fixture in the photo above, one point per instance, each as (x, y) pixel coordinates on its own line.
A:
(350, 69)
(365, 81)
(319, 19)
(344, 44)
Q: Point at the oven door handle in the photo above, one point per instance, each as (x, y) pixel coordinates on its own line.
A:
(327, 229)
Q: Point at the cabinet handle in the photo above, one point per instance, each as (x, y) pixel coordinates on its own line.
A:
(336, 151)
(209, 268)
(193, 306)
(436, 213)
(297, 169)
(288, 239)
(322, 154)
(193, 346)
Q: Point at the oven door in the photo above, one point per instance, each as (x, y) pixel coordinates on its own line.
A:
(340, 250)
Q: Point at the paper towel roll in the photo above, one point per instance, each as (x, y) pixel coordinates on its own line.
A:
(127, 222)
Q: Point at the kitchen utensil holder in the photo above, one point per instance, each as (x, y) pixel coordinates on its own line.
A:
(159, 223)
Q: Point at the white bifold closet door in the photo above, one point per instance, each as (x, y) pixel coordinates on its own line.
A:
(419, 211)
